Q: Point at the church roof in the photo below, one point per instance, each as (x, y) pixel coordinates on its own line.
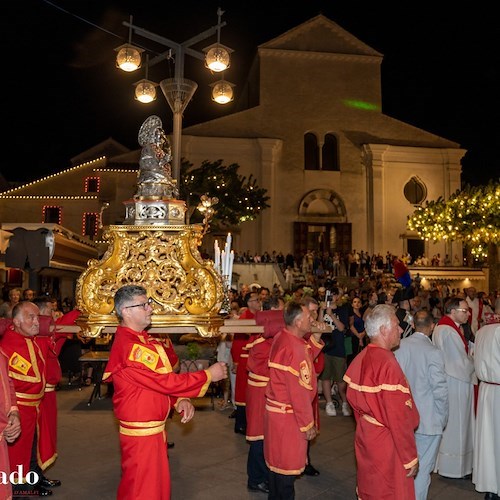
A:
(320, 34)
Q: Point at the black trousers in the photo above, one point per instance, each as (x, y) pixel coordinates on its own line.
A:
(33, 460)
(257, 470)
(281, 487)
(240, 420)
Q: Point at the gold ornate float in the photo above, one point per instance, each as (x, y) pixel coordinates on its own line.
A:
(155, 250)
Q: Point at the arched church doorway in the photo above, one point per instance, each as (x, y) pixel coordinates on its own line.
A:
(322, 225)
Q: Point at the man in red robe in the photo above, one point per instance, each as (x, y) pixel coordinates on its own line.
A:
(385, 413)
(259, 347)
(51, 342)
(289, 417)
(239, 354)
(145, 390)
(27, 371)
(10, 425)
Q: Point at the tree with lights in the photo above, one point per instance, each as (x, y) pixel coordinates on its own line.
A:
(240, 199)
(472, 215)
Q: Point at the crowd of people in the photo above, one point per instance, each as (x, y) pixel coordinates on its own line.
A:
(432, 413)
(423, 387)
(313, 267)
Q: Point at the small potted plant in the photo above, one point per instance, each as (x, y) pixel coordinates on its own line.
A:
(193, 350)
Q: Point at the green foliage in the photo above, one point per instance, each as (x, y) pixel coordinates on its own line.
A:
(472, 215)
(240, 199)
(193, 350)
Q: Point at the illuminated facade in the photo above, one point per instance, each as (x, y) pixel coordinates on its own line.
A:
(340, 173)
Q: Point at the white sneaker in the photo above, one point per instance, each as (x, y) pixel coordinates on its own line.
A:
(346, 411)
(330, 410)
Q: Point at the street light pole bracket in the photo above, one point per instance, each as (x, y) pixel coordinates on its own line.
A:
(178, 92)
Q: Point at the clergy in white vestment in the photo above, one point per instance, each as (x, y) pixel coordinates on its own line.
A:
(486, 468)
(455, 451)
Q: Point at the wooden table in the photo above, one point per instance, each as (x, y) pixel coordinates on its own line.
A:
(98, 359)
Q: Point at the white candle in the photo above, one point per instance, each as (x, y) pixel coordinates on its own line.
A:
(223, 262)
(230, 270)
(227, 254)
(216, 255)
(226, 250)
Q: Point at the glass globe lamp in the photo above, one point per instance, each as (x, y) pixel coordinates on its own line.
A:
(222, 92)
(128, 58)
(145, 91)
(217, 57)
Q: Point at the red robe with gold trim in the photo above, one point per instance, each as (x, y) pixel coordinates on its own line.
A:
(258, 371)
(239, 353)
(47, 414)
(145, 389)
(170, 350)
(386, 418)
(290, 394)
(7, 404)
(27, 370)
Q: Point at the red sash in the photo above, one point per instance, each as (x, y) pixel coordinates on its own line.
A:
(446, 320)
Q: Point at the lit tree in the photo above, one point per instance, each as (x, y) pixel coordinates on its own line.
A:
(472, 215)
(240, 199)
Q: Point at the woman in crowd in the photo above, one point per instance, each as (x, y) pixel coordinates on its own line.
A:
(357, 329)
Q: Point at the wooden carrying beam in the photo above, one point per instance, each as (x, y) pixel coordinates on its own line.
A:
(230, 326)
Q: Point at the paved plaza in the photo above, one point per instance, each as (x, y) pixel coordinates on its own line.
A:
(208, 460)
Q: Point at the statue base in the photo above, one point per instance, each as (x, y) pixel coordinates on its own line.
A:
(151, 211)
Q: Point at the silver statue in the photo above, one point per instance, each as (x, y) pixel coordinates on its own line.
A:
(155, 176)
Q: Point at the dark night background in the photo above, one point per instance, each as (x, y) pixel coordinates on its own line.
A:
(63, 93)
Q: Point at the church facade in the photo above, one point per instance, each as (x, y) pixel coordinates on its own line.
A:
(340, 174)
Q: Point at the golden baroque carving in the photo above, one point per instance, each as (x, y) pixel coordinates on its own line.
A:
(186, 289)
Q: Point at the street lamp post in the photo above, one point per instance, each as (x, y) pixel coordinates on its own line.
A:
(179, 90)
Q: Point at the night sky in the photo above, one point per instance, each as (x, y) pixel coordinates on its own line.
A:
(63, 93)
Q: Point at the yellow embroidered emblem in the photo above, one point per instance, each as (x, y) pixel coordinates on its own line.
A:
(305, 373)
(145, 356)
(409, 403)
(18, 363)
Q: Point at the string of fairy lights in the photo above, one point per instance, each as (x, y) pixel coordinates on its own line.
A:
(472, 215)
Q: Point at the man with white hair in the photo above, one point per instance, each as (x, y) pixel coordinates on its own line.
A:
(385, 413)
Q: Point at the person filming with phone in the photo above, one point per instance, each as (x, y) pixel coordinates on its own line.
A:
(337, 317)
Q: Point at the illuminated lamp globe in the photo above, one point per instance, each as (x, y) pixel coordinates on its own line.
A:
(145, 91)
(217, 57)
(222, 92)
(128, 58)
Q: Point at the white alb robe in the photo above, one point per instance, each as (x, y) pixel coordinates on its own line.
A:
(486, 472)
(455, 452)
